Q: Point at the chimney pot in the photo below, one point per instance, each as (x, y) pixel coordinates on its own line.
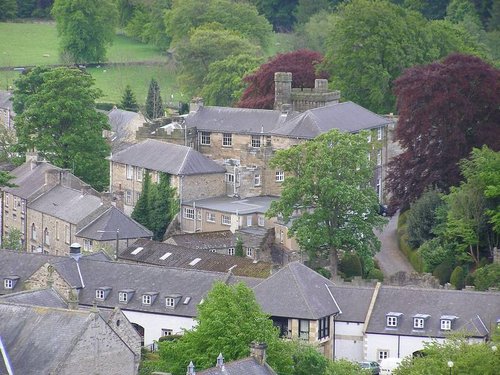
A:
(75, 250)
(190, 369)
(220, 361)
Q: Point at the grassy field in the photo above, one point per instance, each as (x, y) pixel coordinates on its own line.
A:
(23, 44)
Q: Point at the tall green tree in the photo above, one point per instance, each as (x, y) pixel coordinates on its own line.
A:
(228, 320)
(8, 9)
(85, 27)
(129, 103)
(5, 178)
(328, 180)
(60, 121)
(144, 20)
(163, 205)
(223, 85)
(141, 212)
(154, 103)
(12, 240)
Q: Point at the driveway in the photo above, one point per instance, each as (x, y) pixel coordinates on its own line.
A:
(390, 259)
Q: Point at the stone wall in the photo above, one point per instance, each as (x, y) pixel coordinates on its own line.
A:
(60, 233)
(47, 276)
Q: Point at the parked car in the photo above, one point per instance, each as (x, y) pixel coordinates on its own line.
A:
(373, 366)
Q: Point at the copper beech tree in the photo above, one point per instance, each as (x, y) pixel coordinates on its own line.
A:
(445, 109)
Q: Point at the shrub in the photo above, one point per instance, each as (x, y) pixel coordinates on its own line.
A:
(434, 252)
(375, 273)
(457, 278)
(443, 272)
(324, 272)
(421, 218)
(487, 277)
(350, 265)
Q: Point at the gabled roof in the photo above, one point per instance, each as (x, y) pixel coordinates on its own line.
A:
(47, 297)
(167, 157)
(307, 294)
(168, 255)
(245, 366)
(476, 312)
(347, 116)
(232, 205)
(204, 240)
(235, 120)
(66, 204)
(29, 178)
(120, 118)
(105, 226)
(38, 339)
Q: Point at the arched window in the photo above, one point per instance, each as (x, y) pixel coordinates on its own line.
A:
(46, 237)
(33, 232)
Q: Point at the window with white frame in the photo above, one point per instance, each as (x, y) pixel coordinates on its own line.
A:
(46, 237)
(88, 245)
(130, 172)
(205, 138)
(57, 230)
(166, 332)
(379, 157)
(146, 299)
(210, 217)
(33, 232)
(139, 173)
(382, 354)
(99, 294)
(7, 198)
(229, 178)
(227, 139)
(189, 213)
(392, 321)
(67, 234)
(369, 137)
(226, 220)
(418, 323)
(22, 225)
(169, 302)
(303, 329)
(261, 221)
(256, 179)
(123, 297)
(280, 176)
(128, 197)
(8, 284)
(255, 140)
(249, 252)
(137, 196)
(14, 206)
(23, 206)
(379, 133)
(230, 251)
(198, 215)
(445, 324)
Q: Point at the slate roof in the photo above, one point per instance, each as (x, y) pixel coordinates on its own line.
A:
(47, 297)
(232, 205)
(120, 118)
(38, 339)
(154, 252)
(245, 366)
(235, 120)
(29, 178)
(347, 116)
(66, 204)
(104, 227)
(307, 294)
(167, 157)
(475, 311)
(204, 240)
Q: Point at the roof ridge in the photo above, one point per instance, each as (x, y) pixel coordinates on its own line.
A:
(302, 292)
(93, 221)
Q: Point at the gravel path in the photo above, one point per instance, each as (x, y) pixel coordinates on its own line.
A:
(390, 259)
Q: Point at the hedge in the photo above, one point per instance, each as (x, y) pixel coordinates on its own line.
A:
(411, 254)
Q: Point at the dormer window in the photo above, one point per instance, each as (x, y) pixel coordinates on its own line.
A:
(392, 319)
(419, 321)
(125, 296)
(169, 302)
(172, 300)
(10, 282)
(102, 293)
(149, 298)
(447, 321)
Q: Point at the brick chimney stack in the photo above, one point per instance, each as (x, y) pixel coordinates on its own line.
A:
(258, 351)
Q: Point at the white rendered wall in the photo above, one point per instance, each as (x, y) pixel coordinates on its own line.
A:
(349, 341)
(154, 323)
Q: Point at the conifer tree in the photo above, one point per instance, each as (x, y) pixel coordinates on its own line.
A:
(154, 105)
(129, 102)
(162, 204)
(141, 209)
(239, 248)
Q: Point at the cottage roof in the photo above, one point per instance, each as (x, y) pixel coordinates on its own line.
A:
(120, 118)
(104, 227)
(235, 120)
(307, 294)
(29, 178)
(245, 366)
(167, 157)
(231, 205)
(66, 204)
(38, 339)
(347, 116)
(204, 240)
(476, 312)
(163, 254)
(47, 297)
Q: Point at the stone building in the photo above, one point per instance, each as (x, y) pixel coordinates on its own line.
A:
(192, 174)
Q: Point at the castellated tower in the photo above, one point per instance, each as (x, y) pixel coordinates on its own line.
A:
(282, 90)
